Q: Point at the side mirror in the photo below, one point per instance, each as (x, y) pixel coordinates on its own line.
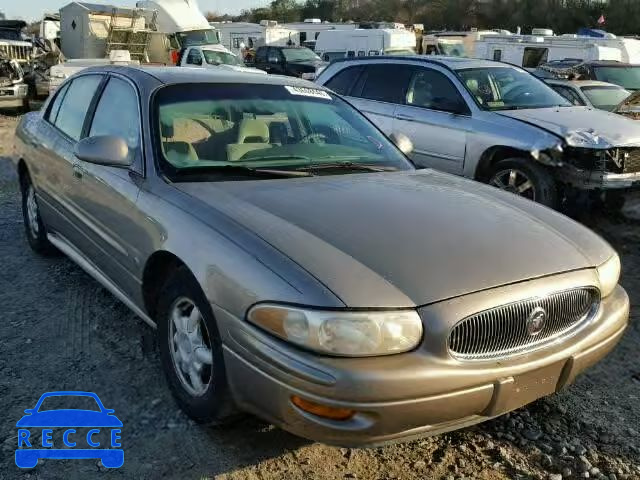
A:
(104, 150)
(404, 143)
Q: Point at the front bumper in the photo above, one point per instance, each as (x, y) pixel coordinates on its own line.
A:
(406, 396)
(592, 180)
(13, 95)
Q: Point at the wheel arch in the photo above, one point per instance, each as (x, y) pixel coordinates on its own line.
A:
(493, 155)
(157, 270)
(23, 171)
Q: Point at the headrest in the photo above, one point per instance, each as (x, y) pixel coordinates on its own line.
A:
(256, 131)
(472, 84)
(166, 129)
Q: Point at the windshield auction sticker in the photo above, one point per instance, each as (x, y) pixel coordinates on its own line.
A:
(308, 92)
(69, 425)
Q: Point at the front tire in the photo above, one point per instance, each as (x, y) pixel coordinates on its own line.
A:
(191, 351)
(526, 179)
(34, 227)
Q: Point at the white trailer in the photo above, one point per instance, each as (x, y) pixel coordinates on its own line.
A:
(360, 42)
(236, 35)
(456, 44)
(529, 51)
(85, 28)
(311, 28)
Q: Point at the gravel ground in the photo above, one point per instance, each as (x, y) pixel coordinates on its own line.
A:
(61, 330)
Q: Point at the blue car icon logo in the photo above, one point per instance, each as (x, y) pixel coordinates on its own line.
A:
(68, 422)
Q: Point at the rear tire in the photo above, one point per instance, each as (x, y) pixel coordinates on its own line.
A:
(34, 227)
(191, 351)
(525, 178)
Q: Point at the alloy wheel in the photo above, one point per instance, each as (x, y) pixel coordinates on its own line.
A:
(32, 212)
(514, 181)
(190, 346)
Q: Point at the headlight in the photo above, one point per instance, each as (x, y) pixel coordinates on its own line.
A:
(342, 333)
(609, 274)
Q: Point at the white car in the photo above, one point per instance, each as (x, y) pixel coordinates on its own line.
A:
(214, 56)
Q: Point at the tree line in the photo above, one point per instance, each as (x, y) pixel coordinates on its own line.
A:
(563, 16)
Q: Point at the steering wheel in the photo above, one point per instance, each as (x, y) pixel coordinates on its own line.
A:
(515, 93)
(314, 138)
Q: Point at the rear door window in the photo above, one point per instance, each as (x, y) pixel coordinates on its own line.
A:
(386, 82)
(433, 90)
(344, 80)
(76, 103)
(57, 102)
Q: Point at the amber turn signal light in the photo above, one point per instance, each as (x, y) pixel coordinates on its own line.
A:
(323, 411)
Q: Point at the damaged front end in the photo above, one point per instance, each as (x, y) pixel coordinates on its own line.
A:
(10, 71)
(13, 90)
(587, 161)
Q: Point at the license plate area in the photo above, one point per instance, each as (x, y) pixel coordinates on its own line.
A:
(519, 390)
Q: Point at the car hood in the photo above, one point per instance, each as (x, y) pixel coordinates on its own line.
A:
(69, 418)
(405, 238)
(581, 126)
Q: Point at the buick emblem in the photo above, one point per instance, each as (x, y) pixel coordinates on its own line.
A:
(536, 321)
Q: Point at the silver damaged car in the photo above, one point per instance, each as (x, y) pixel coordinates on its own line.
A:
(297, 266)
(495, 123)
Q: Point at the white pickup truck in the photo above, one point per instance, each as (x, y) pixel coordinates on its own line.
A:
(214, 56)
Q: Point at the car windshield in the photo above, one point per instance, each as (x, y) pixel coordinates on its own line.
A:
(10, 34)
(198, 37)
(509, 88)
(605, 98)
(626, 77)
(213, 57)
(207, 128)
(299, 55)
(452, 48)
(66, 402)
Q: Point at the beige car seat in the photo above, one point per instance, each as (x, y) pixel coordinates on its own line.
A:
(176, 151)
(252, 135)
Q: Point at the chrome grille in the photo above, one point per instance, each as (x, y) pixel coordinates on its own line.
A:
(16, 52)
(631, 161)
(503, 330)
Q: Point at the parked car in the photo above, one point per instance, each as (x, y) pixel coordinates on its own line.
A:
(590, 93)
(296, 264)
(495, 123)
(14, 92)
(627, 75)
(291, 61)
(214, 56)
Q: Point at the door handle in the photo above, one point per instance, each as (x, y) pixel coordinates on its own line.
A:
(404, 116)
(77, 171)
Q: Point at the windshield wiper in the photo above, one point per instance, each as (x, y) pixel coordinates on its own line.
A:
(348, 165)
(243, 170)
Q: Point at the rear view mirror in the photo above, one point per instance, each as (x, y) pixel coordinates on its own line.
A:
(104, 150)
(404, 143)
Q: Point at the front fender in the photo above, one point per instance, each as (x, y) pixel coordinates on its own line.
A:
(234, 267)
(492, 131)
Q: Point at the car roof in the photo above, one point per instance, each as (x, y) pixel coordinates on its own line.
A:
(177, 75)
(453, 63)
(580, 83)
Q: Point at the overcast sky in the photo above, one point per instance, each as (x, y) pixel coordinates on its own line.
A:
(33, 9)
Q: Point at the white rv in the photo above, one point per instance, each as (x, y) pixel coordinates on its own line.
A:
(311, 28)
(179, 24)
(236, 35)
(361, 42)
(455, 44)
(529, 51)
